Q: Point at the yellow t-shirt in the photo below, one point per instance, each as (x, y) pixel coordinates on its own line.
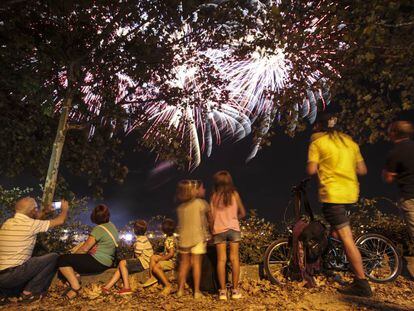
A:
(336, 155)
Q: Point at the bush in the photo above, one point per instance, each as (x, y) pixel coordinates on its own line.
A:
(368, 218)
(257, 234)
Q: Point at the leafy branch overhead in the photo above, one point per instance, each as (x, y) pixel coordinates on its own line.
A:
(186, 75)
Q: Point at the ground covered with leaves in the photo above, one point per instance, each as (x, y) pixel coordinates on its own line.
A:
(257, 295)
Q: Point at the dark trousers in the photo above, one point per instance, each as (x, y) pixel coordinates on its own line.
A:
(34, 276)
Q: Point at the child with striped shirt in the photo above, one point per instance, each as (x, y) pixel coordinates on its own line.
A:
(143, 252)
(165, 261)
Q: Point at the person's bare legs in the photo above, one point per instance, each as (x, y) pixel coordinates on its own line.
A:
(235, 263)
(196, 266)
(70, 276)
(159, 272)
(352, 252)
(221, 264)
(151, 265)
(183, 270)
(115, 278)
(124, 273)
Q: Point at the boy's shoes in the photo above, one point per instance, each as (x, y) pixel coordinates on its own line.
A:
(166, 291)
(235, 294)
(151, 281)
(223, 294)
(105, 290)
(198, 295)
(359, 287)
(124, 291)
(4, 301)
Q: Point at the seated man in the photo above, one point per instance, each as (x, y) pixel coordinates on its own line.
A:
(18, 269)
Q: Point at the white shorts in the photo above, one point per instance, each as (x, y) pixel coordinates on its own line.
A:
(198, 249)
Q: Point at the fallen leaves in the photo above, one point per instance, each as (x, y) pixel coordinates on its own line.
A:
(257, 295)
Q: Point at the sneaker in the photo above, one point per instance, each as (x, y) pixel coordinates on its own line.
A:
(151, 281)
(235, 294)
(124, 291)
(179, 294)
(105, 291)
(166, 291)
(223, 294)
(359, 287)
(198, 295)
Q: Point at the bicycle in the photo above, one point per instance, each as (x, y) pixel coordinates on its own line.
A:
(381, 260)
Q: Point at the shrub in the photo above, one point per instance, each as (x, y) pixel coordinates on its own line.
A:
(257, 234)
(368, 218)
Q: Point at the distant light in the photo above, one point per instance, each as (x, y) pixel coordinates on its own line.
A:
(57, 205)
(127, 237)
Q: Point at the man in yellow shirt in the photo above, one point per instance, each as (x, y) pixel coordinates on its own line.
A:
(337, 161)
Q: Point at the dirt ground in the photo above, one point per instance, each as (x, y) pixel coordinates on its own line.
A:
(257, 295)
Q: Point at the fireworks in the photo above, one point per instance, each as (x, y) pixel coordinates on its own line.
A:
(209, 96)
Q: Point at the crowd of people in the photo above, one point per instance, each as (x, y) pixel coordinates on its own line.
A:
(333, 156)
(199, 221)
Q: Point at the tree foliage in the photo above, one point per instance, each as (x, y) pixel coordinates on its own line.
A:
(377, 74)
(53, 50)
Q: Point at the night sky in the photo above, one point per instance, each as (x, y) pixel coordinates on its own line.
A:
(264, 183)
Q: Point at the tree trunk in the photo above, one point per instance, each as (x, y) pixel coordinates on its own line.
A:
(52, 172)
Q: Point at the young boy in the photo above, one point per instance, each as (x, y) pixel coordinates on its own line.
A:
(165, 261)
(143, 252)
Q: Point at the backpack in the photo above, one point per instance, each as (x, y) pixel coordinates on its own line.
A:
(309, 243)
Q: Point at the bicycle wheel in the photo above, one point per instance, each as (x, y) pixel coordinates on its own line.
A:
(276, 260)
(381, 259)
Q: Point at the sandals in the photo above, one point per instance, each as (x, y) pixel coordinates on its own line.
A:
(24, 298)
(4, 301)
(68, 290)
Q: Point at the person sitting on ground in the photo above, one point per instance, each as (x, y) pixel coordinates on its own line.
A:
(226, 210)
(142, 251)
(399, 168)
(165, 261)
(192, 231)
(337, 161)
(96, 255)
(19, 271)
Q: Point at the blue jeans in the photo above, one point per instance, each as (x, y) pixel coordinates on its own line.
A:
(34, 276)
(229, 235)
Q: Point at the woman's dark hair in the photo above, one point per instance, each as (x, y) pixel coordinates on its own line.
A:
(100, 214)
(140, 227)
(327, 122)
(168, 226)
(223, 186)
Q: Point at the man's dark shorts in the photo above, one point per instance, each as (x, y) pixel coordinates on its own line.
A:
(336, 214)
(134, 265)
